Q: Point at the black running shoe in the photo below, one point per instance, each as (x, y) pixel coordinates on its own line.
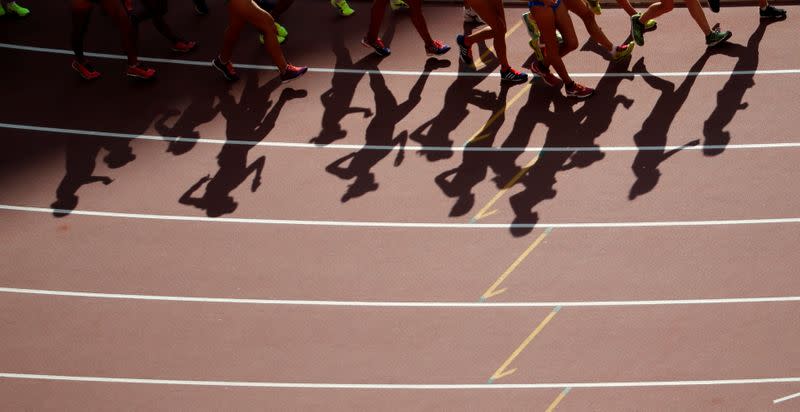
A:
(714, 5)
(226, 69)
(772, 13)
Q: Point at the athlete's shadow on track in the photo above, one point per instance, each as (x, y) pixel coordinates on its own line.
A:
(477, 158)
(652, 138)
(380, 133)
(81, 154)
(729, 98)
(435, 133)
(248, 122)
(570, 141)
(200, 110)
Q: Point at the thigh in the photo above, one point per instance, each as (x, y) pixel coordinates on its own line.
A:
(488, 13)
(564, 22)
(248, 11)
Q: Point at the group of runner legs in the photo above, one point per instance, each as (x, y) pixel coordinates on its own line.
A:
(548, 23)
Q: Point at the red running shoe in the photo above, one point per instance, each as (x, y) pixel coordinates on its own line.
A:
(226, 69)
(578, 90)
(542, 71)
(182, 46)
(292, 72)
(139, 72)
(85, 70)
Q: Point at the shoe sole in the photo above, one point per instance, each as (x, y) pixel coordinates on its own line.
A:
(293, 78)
(577, 96)
(627, 53)
(84, 77)
(140, 77)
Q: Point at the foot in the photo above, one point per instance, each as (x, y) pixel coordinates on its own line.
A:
(14, 8)
(85, 70)
(437, 48)
(377, 45)
(622, 51)
(512, 76)
(226, 69)
(342, 7)
(398, 5)
(139, 72)
(637, 29)
(650, 25)
(578, 90)
(464, 51)
(292, 72)
(182, 46)
(548, 78)
(716, 37)
(772, 13)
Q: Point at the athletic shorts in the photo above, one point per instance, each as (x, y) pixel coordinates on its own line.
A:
(541, 4)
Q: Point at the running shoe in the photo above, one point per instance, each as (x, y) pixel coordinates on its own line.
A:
(716, 37)
(15, 8)
(594, 6)
(182, 46)
(200, 7)
(650, 25)
(282, 32)
(85, 70)
(377, 45)
(398, 5)
(548, 78)
(437, 48)
(637, 29)
(622, 51)
(464, 52)
(471, 17)
(2, 10)
(772, 13)
(342, 7)
(226, 69)
(139, 72)
(714, 5)
(292, 72)
(513, 76)
(578, 90)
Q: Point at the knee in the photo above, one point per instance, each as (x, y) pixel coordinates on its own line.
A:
(570, 44)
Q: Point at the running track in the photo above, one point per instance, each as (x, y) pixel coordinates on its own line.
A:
(633, 252)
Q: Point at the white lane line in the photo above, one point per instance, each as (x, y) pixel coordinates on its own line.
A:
(292, 145)
(786, 398)
(400, 72)
(315, 385)
(399, 304)
(414, 225)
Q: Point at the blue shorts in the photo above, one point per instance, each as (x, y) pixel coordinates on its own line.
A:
(540, 4)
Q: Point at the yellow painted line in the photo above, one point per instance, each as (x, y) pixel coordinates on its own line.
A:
(480, 135)
(491, 49)
(501, 371)
(484, 212)
(558, 399)
(493, 291)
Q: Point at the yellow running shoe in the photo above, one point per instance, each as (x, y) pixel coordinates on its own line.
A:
(15, 8)
(342, 7)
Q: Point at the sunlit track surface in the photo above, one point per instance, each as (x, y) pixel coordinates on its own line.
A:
(399, 234)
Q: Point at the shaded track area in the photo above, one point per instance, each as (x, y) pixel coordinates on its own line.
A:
(399, 234)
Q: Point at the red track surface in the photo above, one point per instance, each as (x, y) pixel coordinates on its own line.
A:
(313, 330)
